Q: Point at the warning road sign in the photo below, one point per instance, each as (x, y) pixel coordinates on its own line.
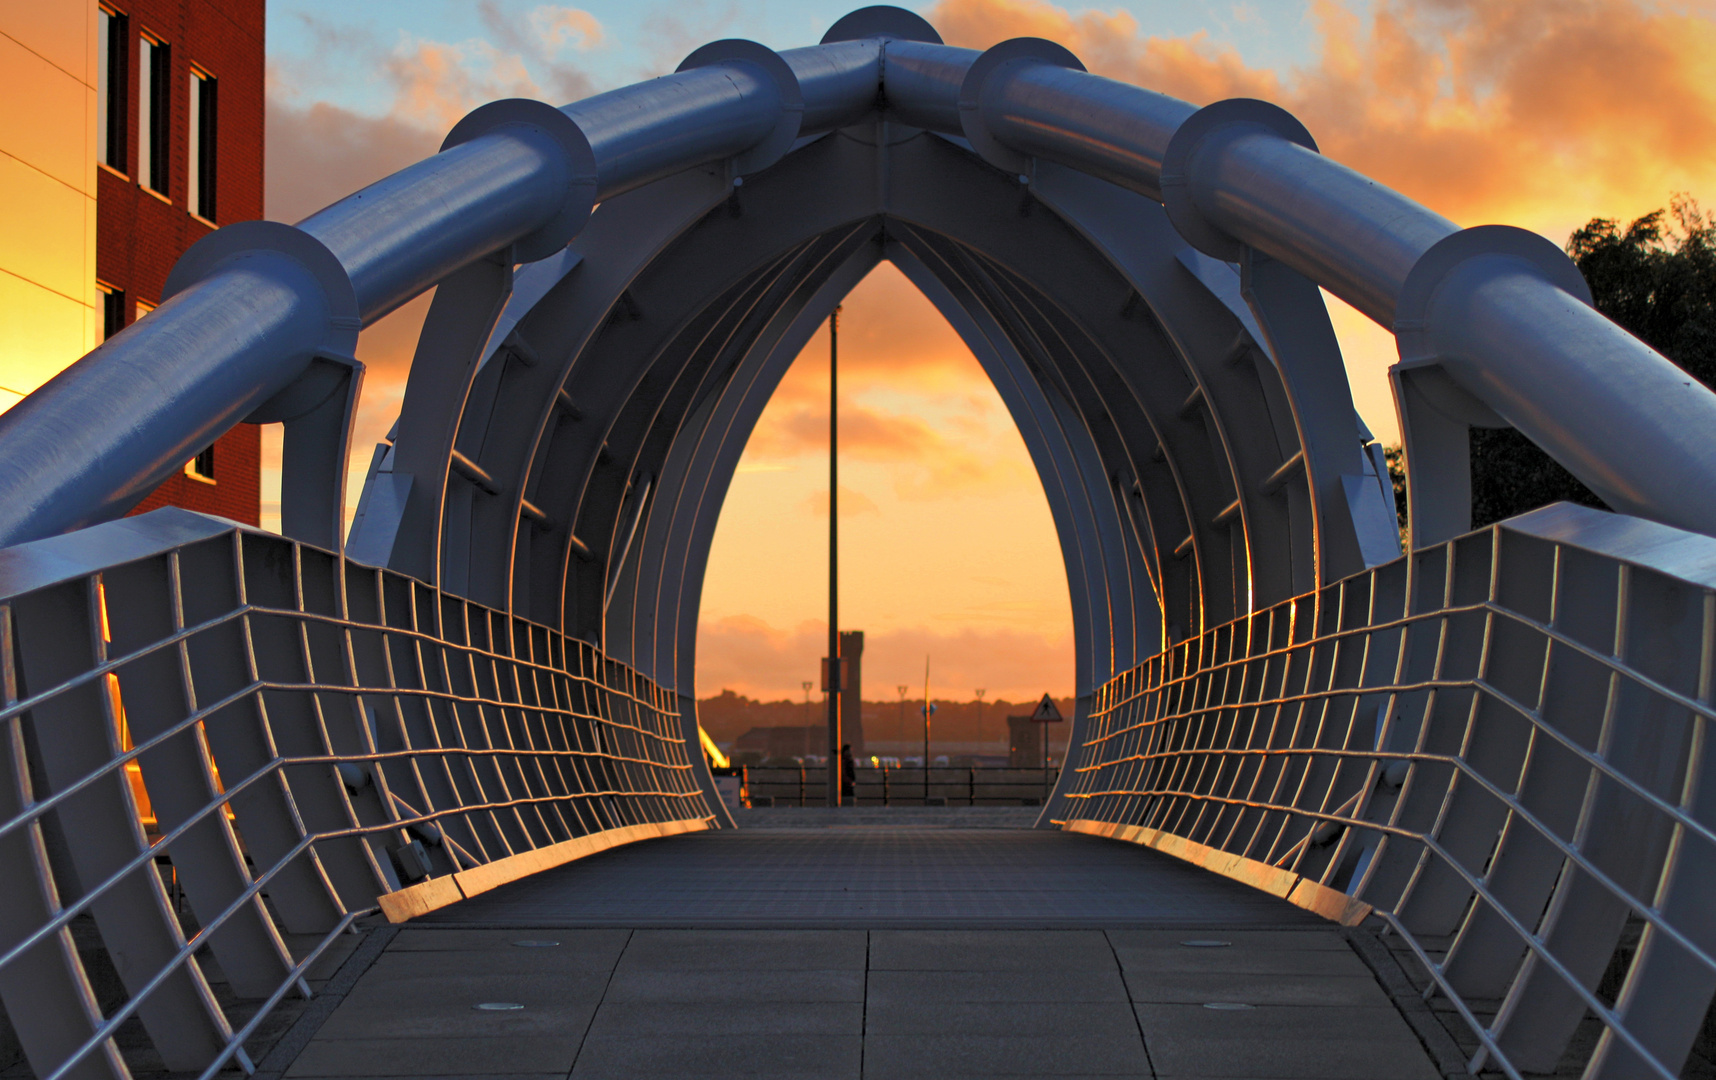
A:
(1046, 712)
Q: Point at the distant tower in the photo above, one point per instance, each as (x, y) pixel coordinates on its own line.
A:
(852, 699)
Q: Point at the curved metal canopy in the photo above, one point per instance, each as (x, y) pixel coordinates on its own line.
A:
(620, 285)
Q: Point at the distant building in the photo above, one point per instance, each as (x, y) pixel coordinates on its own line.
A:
(136, 129)
(1024, 742)
(852, 698)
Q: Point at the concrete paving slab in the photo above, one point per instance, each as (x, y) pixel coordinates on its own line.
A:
(754, 987)
(871, 878)
(619, 1019)
(434, 1057)
(989, 950)
(1315, 937)
(916, 952)
(1090, 1053)
(458, 1020)
(1195, 988)
(504, 960)
(745, 950)
(571, 988)
(901, 1016)
(1017, 986)
(416, 938)
(1283, 1041)
(1254, 961)
(775, 1057)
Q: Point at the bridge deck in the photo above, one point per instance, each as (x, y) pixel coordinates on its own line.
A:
(865, 952)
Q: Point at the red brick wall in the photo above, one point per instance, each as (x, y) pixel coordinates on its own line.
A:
(139, 236)
(237, 490)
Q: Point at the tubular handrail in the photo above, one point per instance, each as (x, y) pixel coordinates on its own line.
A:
(1245, 179)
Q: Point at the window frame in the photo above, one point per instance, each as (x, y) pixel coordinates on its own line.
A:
(202, 467)
(154, 114)
(112, 309)
(113, 113)
(202, 141)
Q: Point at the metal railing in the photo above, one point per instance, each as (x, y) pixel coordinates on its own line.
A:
(952, 785)
(316, 738)
(1498, 745)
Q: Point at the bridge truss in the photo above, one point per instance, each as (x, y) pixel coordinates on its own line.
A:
(1494, 743)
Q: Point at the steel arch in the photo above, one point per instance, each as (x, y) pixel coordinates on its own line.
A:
(493, 673)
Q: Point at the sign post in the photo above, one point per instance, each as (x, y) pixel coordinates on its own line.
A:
(1046, 713)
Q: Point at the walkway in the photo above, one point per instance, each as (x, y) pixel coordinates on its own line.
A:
(864, 952)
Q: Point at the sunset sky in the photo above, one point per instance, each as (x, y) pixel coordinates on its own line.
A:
(1537, 113)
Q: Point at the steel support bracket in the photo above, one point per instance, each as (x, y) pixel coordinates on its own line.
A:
(318, 411)
(1437, 410)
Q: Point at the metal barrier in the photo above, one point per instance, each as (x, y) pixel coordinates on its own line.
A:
(316, 740)
(953, 785)
(1499, 745)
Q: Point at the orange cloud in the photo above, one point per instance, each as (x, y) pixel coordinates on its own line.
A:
(852, 504)
(1540, 114)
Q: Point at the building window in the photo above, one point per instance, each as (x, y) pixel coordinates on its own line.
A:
(154, 113)
(112, 310)
(200, 189)
(201, 467)
(142, 309)
(110, 110)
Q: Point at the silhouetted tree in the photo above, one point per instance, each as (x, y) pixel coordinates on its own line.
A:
(1657, 280)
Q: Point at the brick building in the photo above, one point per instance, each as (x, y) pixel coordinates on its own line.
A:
(179, 152)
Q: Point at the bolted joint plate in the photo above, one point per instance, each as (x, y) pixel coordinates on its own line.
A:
(1003, 59)
(764, 59)
(1179, 199)
(581, 178)
(1414, 316)
(251, 242)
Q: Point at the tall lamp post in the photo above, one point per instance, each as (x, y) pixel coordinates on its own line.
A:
(980, 694)
(833, 676)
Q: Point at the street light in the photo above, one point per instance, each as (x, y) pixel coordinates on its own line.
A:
(980, 694)
(807, 684)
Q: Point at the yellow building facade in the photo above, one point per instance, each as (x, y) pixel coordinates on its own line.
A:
(50, 311)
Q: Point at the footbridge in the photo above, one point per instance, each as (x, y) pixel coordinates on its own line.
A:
(226, 748)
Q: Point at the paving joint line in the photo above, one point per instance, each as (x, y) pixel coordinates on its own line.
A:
(298, 1037)
(864, 1011)
(1131, 1006)
(597, 1011)
(1450, 1061)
